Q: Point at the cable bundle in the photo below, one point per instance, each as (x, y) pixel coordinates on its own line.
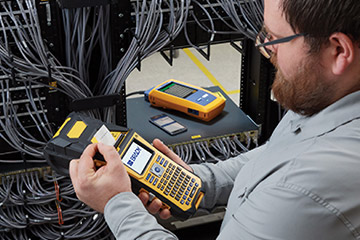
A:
(45, 207)
(151, 34)
(215, 149)
(84, 29)
(27, 65)
(240, 17)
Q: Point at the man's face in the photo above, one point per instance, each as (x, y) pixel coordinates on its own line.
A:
(305, 91)
(300, 83)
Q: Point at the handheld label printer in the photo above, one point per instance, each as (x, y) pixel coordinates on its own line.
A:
(189, 99)
(150, 170)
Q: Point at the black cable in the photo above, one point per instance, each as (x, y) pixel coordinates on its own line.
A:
(134, 93)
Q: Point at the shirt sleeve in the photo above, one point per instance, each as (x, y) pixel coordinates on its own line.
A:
(127, 218)
(285, 212)
(218, 179)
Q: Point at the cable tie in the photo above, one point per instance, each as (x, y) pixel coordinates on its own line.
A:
(59, 212)
(57, 191)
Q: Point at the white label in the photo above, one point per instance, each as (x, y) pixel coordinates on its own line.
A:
(103, 135)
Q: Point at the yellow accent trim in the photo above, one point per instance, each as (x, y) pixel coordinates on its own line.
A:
(195, 136)
(94, 140)
(116, 135)
(62, 126)
(77, 129)
(197, 203)
(220, 95)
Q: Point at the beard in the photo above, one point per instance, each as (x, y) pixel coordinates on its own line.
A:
(306, 92)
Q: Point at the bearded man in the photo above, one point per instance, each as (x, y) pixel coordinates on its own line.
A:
(304, 183)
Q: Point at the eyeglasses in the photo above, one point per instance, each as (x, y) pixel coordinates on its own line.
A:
(263, 35)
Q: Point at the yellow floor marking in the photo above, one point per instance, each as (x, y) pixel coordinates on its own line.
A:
(207, 72)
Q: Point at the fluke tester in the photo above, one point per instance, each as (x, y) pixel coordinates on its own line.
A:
(151, 171)
(192, 100)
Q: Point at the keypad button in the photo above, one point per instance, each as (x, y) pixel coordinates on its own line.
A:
(166, 163)
(157, 169)
(192, 192)
(156, 180)
(151, 179)
(148, 176)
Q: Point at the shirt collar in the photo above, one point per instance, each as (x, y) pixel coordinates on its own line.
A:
(344, 110)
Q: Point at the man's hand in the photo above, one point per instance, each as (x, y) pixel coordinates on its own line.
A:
(155, 205)
(96, 188)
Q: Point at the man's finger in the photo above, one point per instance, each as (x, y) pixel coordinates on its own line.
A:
(154, 206)
(164, 149)
(109, 153)
(165, 213)
(73, 169)
(144, 197)
(86, 161)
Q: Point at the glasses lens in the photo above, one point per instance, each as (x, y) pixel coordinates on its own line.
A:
(260, 39)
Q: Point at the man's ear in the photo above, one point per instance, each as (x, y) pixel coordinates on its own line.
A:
(342, 52)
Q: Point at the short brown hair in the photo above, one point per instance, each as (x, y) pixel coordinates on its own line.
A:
(321, 18)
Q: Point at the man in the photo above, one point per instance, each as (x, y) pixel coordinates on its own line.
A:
(304, 182)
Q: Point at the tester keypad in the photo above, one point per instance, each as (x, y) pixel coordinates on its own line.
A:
(172, 181)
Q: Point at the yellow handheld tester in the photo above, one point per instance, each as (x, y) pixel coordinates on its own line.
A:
(151, 171)
(192, 100)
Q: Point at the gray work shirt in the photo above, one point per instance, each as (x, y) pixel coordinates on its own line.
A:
(304, 183)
